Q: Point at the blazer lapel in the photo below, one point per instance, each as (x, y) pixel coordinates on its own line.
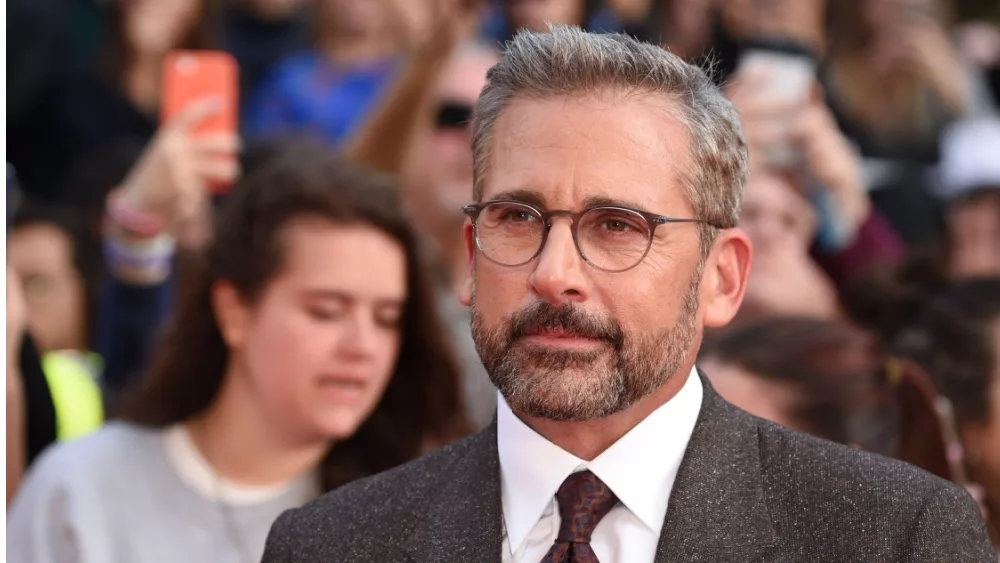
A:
(463, 521)
(716, 511)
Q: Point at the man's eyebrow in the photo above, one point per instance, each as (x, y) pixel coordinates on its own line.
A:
(538, 200)
(524, 196)
(603, 201)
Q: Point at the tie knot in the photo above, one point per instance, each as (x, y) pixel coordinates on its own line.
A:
(583, 501)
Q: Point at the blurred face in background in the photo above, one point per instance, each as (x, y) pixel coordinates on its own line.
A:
(156, 26)
(534, 14)
(317, 349)
(781, 224)
(974, 236)
(42, 254)
(560, 338)
(447, 155)
(776, 217)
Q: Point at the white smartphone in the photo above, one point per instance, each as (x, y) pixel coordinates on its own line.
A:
(789, 78)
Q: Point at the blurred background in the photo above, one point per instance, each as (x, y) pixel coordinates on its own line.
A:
(872, 315)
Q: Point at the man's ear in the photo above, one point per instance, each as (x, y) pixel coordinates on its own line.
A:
(465, 291)
(724, 280)
(232, 314)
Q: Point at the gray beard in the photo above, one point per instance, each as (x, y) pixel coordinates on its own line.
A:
(584, 385)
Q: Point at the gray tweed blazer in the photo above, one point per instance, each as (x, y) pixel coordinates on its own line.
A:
(747, 491)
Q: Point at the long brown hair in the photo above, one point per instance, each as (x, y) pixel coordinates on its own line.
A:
(117, 54)
(422, 404)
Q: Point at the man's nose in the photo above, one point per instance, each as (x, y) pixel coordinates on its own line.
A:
(559, 275)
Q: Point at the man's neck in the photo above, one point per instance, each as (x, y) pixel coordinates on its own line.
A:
(244, 448)
(587, 439)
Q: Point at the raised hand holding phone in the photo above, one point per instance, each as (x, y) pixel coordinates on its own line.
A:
(193, 154)
(172, 179)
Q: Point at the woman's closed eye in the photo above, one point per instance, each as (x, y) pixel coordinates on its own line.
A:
(325, 314)
(389, 317)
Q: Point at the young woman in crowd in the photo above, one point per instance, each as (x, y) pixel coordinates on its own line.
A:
(59, 262)
(330, 89)
(306, 353)
(85, 113)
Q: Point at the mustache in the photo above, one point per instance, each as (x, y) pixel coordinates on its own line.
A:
(543, 317)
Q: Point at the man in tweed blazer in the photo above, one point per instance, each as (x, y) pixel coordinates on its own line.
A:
(602, 242)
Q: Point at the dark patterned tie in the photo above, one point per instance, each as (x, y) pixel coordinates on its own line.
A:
(583, 501)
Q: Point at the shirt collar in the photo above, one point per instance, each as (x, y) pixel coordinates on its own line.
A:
(532, 468)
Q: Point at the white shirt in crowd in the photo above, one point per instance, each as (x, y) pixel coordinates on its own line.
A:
(640, 469)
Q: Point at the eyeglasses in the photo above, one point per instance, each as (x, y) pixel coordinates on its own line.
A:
(609, 238)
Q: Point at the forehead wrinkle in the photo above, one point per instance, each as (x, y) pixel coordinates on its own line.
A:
(511, 136)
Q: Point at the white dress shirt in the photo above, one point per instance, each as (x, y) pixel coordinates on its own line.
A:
(640, 469)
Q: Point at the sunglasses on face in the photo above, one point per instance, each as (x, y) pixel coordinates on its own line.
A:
(453, 115)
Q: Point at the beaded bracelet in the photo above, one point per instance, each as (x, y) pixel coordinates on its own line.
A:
(148, 261)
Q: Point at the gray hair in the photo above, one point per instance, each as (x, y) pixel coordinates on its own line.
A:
(568, 61)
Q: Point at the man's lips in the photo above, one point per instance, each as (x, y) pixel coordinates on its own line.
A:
(559, 339)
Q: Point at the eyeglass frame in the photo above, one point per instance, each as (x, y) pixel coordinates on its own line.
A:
(653, 220)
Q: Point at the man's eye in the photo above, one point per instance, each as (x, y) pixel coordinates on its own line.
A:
(519, 216)
(617, 226)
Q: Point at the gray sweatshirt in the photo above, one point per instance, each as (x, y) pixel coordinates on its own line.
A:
(132, 495)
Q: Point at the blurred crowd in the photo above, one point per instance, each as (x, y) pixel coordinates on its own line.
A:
(194, 303)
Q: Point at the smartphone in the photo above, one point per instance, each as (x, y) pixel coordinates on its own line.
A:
(189, 76)
(790, 77)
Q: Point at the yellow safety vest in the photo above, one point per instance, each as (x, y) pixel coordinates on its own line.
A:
(76, 395)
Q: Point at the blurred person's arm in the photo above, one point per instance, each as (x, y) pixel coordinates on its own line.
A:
(853, 236)
(162, 203)
(17, 452)
(386, 140)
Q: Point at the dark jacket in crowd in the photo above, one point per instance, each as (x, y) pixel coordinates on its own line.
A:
(747, 490)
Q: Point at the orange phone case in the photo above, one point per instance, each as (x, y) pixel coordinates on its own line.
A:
(189, 76)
